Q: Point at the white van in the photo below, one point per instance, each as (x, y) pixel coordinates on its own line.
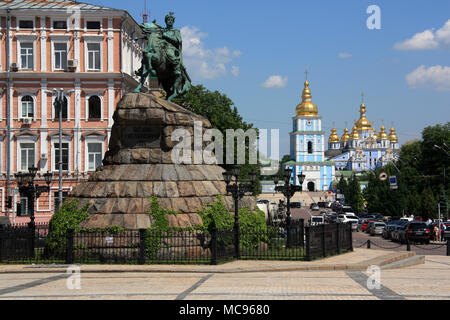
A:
(316, 220)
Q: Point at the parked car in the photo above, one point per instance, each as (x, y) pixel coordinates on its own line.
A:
(354, 223)
(387, 231)
(414, 231)
(360, 223)
(399, 224)
(365, 224)
(370, 225)
(296, 204)
(377, 228)
(332, 218)
(314, 207)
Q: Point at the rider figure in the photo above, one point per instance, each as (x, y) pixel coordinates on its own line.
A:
(172, 37)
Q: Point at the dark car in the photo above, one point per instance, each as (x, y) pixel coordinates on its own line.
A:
(387, 232)
(296, 205)
(414, 231)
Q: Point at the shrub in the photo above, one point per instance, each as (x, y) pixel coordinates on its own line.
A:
(159, 228)
(67, 217)
(252, 224)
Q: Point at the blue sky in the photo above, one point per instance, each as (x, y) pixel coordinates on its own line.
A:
(235, 46)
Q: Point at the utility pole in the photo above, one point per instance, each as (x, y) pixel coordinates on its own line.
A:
(59, 101)
(8, 111)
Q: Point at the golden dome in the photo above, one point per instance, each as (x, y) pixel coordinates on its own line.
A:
(383, 135)
(375, 136)
(363, 123)
(345, 137)
(307, 108)
(393, 136)
(333, 137)
(355, 134)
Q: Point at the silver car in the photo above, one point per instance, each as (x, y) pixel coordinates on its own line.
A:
(377, 228)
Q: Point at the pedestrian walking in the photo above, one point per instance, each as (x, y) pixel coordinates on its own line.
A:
(436, 233)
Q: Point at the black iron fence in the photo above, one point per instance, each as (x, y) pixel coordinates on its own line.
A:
(295, 242)
(328, 239)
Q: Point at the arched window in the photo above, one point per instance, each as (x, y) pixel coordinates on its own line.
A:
(27, 104)
(95, 107)
(65, 105)
(310, 147)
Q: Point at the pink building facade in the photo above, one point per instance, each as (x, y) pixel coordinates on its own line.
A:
(91, 53)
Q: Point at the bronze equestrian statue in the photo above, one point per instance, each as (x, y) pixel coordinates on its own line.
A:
(162, 58)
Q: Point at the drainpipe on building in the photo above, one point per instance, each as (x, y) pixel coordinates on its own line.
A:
(8, 124)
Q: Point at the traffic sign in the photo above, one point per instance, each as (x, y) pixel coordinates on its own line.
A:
(393, 182)
(383, 176)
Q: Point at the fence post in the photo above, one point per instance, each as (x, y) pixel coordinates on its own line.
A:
(408, 244)
(338, 242)
(69, 246)
(214, 246)
(368, 244)
(142, 236)
(324, 249)
(350, 230)
(308, 244)
(448, 247)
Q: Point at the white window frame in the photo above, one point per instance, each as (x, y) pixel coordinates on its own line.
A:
(55, 117)
(33, 55)
(59, 19)
(19, 104)
(21, 38)
(92, 140)
(88, 95)
(88, 69)
(23, 18)
(89, 39)
(21, 140)
(86, 20)
(59, 39)
(65, 139)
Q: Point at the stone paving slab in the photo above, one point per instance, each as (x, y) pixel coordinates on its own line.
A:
(359, 259)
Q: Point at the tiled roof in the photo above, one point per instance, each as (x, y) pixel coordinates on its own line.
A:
(56, 5)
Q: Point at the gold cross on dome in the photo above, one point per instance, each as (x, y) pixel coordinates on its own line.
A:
(306, 72)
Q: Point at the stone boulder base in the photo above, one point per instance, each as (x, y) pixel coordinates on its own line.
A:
(138, 165)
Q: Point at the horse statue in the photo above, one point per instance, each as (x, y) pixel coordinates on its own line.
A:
(162, 59)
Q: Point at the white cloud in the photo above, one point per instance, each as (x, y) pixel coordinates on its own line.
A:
(345, 55)
(235, 71)
(275, 82)
(203, 63)
(436, 77)
(427, 39)
(443, 34)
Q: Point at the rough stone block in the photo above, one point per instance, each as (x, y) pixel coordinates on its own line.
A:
(182, 205)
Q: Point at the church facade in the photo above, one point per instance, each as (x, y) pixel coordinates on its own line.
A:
(363, 149)
(308, 147)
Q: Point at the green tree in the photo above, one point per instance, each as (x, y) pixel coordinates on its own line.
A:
(353, 195)
(220, 110)
(423, 177)
(342, 186)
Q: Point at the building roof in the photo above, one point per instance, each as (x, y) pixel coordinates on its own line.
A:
(56, 5)
(332, 153)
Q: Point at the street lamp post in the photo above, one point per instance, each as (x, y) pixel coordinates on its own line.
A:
(237, 190)
(288, 190)
(436, 147)
(32, 192)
